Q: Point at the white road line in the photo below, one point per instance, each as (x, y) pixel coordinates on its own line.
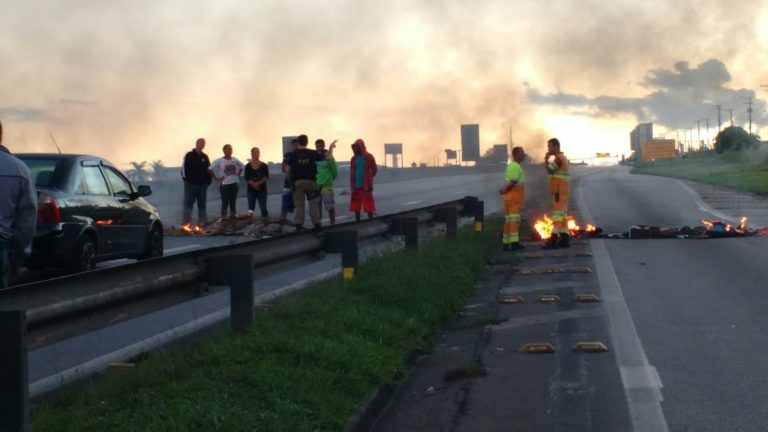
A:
(181, 248)
(412, 202)
(342, 217)
(460, 192)
(642, 384)
(704, 206)
(45, 385)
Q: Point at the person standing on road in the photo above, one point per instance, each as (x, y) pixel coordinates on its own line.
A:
(18, 213)
(256, 176)
(327, 171)
(197, 179)
(514, 195)
(230, 168)
(286, 205)
(302, 166)
(556, 165)
(362, 170)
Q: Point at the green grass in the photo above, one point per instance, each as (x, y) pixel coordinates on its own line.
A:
(746, 171)
(307, 364)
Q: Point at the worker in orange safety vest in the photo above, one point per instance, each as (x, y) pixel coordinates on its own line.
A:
(556, 165)
(514, 195)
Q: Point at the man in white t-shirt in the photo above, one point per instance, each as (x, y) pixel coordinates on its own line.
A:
(226, 170)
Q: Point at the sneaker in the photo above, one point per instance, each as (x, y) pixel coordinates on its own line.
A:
(516, 246)
(564, 241)
(300, 228)
(506, 248)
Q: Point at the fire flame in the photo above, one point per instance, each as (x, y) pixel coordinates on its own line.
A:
(743, 223)
(544, 227)
(192, 229)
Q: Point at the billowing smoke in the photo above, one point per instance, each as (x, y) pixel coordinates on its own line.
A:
(681, 96)
(141, 80)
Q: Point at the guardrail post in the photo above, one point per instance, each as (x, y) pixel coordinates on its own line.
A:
(411, 230)
(349, 255)
(451, 222)
(479, 216)
(241, 297)
(14, 390)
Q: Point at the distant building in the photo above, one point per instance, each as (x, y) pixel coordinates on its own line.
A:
(470, 142)
(641, 133)
(499, 153)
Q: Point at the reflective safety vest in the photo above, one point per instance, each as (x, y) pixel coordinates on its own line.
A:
(558, 180)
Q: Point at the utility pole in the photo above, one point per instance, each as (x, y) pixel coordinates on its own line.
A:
(749, 112)
(690, 139)
(731, 111)
(719, 123)
(698, 134)
(708, 143)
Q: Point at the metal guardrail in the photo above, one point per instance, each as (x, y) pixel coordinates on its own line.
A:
(75, 294)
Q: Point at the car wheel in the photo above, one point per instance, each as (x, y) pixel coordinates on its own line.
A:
(154, 247)
(84, 257)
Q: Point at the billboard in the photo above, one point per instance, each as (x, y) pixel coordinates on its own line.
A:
(451, 154)
(499, 153)
(287, 143)
(393, 149)
(470, 142)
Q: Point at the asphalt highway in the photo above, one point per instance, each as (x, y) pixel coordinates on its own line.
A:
(698, 305)
(684, 319)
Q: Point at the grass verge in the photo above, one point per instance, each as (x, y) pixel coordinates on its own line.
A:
(747, 171)
(306, 366)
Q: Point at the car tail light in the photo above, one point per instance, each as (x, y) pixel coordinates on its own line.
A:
(48, 209)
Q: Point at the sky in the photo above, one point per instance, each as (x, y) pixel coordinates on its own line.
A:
(136, 80)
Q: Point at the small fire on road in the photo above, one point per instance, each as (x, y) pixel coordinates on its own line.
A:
(544, 227)
(192, 229)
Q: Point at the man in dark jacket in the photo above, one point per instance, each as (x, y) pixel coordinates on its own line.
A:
(196, 181)
(18, 212)
(362, 170)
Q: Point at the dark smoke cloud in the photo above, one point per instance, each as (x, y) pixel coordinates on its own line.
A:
(682, 95)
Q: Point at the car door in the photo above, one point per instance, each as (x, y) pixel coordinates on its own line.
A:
(133, 217)
(102, 207)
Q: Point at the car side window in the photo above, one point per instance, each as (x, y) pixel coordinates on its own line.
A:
(94, 181)
(121, 187)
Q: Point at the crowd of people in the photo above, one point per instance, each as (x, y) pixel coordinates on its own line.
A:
(309, 175)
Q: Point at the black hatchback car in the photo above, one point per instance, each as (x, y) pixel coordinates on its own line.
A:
(88, 211)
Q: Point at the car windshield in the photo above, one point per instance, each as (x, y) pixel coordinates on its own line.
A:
(43, 171)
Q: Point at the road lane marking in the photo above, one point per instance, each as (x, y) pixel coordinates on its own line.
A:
(460, 192)
(641, 381)
(704, 206)
(52, 382)
(181, 248)
(412, 202)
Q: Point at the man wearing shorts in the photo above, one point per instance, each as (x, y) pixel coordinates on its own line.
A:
(326, 174)
(362, 170)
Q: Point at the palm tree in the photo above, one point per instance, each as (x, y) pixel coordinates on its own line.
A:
(157, 169)
(139, 172)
